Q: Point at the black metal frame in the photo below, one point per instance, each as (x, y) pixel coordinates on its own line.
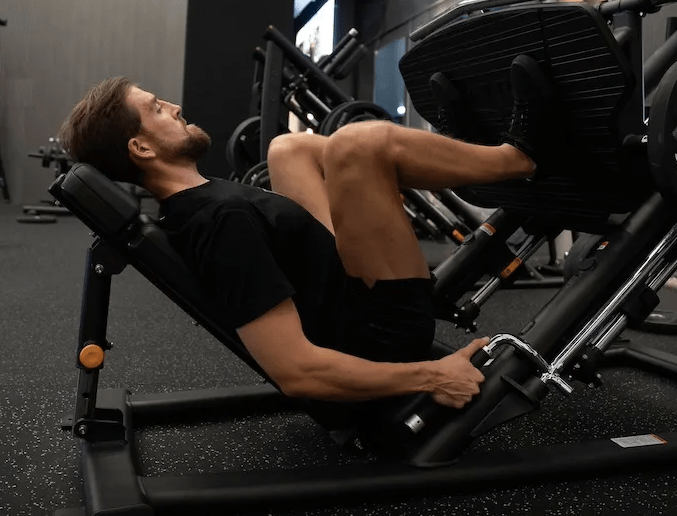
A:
(312, 82)
(3, 178)
(286, 80)
(114, 486)
(104, 421)
(628, 32)
(512, 387)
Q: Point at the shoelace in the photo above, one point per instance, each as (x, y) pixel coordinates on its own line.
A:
(443, 121)
(520, 114)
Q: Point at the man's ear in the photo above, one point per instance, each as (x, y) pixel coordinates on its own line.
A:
(139, 148)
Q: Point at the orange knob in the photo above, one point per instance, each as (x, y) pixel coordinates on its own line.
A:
(92, 356)
(458, 236)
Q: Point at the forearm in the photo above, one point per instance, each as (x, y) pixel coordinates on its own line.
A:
(330, 375)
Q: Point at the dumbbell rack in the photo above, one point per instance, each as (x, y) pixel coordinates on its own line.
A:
(53, 155)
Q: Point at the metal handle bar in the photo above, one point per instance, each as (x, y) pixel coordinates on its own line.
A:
(611, 7)
(463, 7)
(326, 60)
(341, 57)
(606, 9)
(304, 64)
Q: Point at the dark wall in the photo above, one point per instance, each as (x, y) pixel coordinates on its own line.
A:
(52, 52)
(219, 66)
(381, 17)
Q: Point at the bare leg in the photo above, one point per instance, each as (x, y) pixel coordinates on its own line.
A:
(365, 164)
(430, 161)
(296, 171)
(374, 236)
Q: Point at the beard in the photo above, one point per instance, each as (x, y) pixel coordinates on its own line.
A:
(195, 145)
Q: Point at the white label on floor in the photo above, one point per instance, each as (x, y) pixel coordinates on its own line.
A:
(638, 440)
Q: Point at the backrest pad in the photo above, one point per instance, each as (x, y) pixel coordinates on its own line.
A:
(103, 205)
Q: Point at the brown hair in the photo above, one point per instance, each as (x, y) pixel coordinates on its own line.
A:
(99, 128)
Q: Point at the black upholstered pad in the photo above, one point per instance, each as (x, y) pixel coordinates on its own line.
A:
(113, 214)
(105, 207)
(592, 78)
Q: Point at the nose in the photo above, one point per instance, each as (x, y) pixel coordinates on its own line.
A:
(177, 110)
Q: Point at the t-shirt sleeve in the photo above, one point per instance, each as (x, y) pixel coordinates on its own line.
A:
(238, 268)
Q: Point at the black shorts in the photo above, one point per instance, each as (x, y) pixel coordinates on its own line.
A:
(392, 322)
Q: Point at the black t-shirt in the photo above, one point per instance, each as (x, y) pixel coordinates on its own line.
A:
(251, 249)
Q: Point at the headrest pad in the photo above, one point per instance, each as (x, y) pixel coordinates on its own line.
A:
(96, 200)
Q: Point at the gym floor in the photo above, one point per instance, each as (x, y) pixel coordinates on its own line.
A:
(159, 350)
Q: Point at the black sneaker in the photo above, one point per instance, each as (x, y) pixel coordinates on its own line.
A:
(534, 99)
(450, 115)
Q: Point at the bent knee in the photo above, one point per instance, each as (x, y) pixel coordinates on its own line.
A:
(359, 143)
(290, 145)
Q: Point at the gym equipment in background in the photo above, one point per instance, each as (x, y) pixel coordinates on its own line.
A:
(291, 82)
(3, 178)
(583, 256)
(51, 155)
(3, 182)
(286, 80)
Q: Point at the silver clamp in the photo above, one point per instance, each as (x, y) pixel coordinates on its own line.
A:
(548, 374)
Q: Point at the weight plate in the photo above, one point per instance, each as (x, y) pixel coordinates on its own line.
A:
(244, 146)
(662, 135)
(262, 180)
(254, 175)
(352, 112)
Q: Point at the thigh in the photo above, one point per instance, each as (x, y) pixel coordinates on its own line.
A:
(374, 236)
(295, 167)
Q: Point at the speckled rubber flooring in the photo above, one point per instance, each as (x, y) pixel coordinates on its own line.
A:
(159, 350)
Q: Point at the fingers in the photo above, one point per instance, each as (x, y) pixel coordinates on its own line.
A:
(460, 396)
(474, 390)
(461, 401)
(474, 347)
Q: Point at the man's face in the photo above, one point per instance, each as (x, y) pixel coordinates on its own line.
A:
(166, 130)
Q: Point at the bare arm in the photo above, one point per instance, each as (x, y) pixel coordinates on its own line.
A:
(301, 369)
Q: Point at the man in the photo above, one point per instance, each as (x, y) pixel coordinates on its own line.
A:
(324, 280)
